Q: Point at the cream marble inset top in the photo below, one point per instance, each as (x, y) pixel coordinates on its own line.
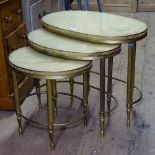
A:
(29, 59)
(95, 24)
(54, 44)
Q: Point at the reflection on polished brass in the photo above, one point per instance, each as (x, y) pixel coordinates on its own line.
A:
(50, 112)
(17, 102)
(85, 95)
(109, 84)
(102, 96)
(54, 89)
(37, 87)
(71, 81)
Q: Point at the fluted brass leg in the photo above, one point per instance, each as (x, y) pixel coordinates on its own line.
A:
(50, 113)
(54, 88)
(85, 96)
(109, 85)
(72, 89)
(17, 102)
(130, 79)
(37, 87)
(102, 97)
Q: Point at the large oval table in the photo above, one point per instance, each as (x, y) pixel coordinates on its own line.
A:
(101, 28)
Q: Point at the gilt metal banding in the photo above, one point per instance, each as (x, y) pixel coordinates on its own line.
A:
(96, 38)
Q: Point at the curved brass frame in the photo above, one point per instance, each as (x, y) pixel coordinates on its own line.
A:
(93, 87)
(57, 125)
(74, 122)
(138, 89)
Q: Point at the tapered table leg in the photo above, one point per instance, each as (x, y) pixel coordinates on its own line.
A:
(85, 96)
(130, 79)
(50, 112)
(102, 97)
(109, 84)
(17, 102)
(54, 88)
(133, 69)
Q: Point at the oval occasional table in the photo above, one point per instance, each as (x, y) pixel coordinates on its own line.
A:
(101, 28)
(65, 47)
(31, 63)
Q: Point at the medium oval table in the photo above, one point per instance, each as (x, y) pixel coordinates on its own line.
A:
(101, 28)
(65, 47)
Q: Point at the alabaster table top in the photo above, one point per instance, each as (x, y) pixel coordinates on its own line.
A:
(29, 61)
(65, 47)
(95, 26)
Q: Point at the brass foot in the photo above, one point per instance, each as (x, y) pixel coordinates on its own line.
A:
(102, 121)
(51, 135)
(20, 131)
(128, 117)
(52, 146)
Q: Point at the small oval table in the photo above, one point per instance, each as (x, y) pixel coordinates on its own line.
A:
(31, 63)
(64, 47)
(101, 28)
